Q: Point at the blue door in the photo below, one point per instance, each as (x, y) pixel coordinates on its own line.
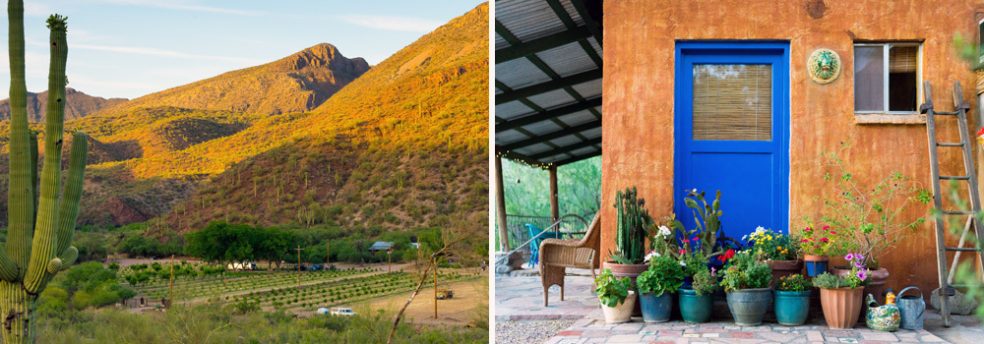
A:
(732, 131)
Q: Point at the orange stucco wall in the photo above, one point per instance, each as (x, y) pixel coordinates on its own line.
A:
(639, 38)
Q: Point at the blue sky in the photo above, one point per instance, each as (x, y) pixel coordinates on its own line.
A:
(128, 48)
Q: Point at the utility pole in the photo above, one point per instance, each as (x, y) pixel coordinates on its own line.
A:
(434, 261)
(298, 266)
(170, 287)
(389, 260)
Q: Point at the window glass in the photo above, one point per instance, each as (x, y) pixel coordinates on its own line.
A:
(902, 78)
(732, 102)
(869, 71)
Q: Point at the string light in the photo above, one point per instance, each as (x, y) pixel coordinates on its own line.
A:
(540, 165)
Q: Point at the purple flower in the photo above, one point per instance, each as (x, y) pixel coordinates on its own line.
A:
(858, 256)
(849, 256)
(862, 275)
(858, 264)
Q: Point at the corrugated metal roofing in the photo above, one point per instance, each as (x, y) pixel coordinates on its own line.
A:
(547, 89)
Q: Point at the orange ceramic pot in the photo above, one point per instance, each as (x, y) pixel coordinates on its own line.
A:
(841, 306)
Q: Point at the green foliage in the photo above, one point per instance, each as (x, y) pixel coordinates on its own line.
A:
(768, 244)
(703, 239)
(664, 275)
(870, 218)
(612, 291)
(632, 223)
(704, 282)
(578, 188)
(83, 286)
(744, 272)
(794, 282)
(828, 280)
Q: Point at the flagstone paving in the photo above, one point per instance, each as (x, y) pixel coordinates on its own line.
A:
(520, 299)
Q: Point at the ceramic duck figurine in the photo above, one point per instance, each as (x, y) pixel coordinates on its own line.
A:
(883, 318)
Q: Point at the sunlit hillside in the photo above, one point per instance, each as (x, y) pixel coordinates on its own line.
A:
(403, 145)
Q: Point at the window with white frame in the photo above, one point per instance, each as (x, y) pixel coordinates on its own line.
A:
(887, 77)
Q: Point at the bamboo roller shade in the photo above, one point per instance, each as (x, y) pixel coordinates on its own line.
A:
(732, 102)
(902, 59)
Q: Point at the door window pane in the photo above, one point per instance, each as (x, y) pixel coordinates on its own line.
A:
(732, 102)
(869, 84)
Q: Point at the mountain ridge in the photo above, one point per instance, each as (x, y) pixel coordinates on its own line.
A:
(77, 105)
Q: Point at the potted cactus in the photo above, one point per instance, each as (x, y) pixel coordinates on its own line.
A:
(746, 282)
(840, 296)
(657, 286)
(616, 296)
(777, 250)
(630, 235)
(792, 300)
(696, 302)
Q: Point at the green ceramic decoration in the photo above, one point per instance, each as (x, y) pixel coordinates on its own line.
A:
(824, 66)
(883, 318)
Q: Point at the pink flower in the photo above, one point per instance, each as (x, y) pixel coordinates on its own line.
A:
(849, 256)
(682, 251)
(807, 229)
(824, 240)
(862, 275)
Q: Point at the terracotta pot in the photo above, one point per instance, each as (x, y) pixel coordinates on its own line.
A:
(622, 312)
(783, 268)
(876, 280)
(841, 306)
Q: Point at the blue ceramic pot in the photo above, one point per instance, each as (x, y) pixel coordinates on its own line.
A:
(656, 308)
(748, 306)
(815, 265)
(695, 308)
(792, 307)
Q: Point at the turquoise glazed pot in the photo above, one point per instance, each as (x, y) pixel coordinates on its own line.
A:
(792, 307)
(748, 306)
(695, 308)
(656, 309)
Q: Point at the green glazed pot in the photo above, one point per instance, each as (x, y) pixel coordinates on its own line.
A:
(748, 306)
(792, 307)
(695, 308)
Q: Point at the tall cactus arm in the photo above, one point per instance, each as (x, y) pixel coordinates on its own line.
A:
(33, 150)
(8, 269)
(21, 193)
(45, 241)
(69, 209)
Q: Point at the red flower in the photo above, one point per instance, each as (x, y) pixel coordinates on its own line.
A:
(682, 251)
(694, 239)
(833, 232)
(808, 229)
(824, 240)
(826, 228)
(805, 240)
(980, 132)
(730, 253)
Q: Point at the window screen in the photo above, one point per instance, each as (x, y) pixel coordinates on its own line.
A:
(732, 102)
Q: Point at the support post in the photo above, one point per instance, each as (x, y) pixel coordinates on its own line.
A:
(434, 261)
(500, 206)
(554, 205)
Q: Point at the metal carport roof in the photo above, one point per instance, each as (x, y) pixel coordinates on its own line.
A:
(548, 80)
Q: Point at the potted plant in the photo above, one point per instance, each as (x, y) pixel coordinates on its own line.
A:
(840, 296)
(630, 235)
(816, 246)
(792, 300)
(697, 301)
(746, 282)
(777, 250)
(873, 218)
(656, 287)
(616, 296)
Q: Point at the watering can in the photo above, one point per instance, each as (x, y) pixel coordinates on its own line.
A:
(885, 317)
(912, 308)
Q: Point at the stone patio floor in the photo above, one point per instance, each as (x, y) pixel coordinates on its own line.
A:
(521, 299)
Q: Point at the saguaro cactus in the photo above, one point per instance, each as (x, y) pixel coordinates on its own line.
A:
(41, 218)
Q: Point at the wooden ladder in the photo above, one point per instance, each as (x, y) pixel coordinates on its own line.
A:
(946, 275)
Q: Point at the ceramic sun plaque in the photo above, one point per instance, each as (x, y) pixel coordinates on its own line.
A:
(824, 66)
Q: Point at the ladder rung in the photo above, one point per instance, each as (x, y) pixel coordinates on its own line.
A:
(950, 144)
(945, 113)
(957, 212)
(955, 177)
(962, 249)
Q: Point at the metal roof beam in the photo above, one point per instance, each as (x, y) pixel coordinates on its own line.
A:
(549, 114)
(575, 79)
(565, 149)
(537, 45)
(553, 135)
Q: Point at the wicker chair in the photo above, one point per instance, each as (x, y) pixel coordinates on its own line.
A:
(557, 255)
